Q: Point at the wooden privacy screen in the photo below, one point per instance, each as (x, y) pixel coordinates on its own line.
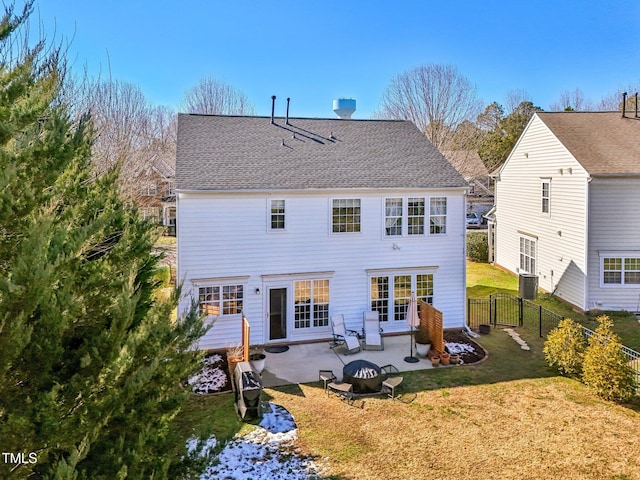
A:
(431, 320)
(246, 330)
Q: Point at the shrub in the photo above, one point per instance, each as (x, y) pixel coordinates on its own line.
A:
(606, 370)
(565, 347)
(478, 246)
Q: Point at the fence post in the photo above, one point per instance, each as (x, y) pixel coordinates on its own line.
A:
(520, 316)
(540, 319)
(492, 310)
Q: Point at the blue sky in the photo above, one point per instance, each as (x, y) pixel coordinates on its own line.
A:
(315, 51)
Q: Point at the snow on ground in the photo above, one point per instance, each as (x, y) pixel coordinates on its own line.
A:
(268, 453)
(459, 347)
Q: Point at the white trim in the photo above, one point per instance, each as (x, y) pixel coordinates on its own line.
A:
(205, 282)
(297, 276)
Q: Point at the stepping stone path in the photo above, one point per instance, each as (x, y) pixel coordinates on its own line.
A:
(516, 336)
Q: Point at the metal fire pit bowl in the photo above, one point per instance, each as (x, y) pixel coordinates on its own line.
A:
(366, 377)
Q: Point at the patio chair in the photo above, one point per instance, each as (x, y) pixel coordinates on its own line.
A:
(326, 377)
(390, 380)
(372, 331)
(342, 336)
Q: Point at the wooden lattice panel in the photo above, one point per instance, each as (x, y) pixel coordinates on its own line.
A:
(431, 319)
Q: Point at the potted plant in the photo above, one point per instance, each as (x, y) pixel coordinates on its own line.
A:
(235, 355)
(257, 359)
(423, 342)
(435, 359)
(445, 358)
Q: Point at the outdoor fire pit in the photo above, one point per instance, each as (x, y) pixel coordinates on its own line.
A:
(366, 377)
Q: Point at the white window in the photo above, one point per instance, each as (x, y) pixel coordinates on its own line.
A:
(311, 304)
(413, 216)
(346, 215)
(620, 270)
(438, 215)
(527, 255)
(546, 195)
(217, 300)
(393, 217)
(277, 220)
(390, 293)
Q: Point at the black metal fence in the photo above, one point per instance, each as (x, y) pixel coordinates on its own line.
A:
(504, 309)
(508, 310)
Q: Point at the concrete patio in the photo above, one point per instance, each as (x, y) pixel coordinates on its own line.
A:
(301, 363)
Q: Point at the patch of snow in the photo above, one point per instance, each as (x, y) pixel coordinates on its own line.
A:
(459, 348)
(268, 453)
(211, 378)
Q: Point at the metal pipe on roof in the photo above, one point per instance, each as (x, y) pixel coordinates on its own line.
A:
(624, 103)
(287, 122)
(273, 108)
(636, 104)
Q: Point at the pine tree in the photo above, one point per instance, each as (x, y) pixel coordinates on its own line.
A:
(90, 362)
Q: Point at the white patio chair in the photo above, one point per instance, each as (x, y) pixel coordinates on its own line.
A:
(342, 336)
(372, 331)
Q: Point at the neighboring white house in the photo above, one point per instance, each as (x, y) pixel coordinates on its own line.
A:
(290, 221)
(568, 208)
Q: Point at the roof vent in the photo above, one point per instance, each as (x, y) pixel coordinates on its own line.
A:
(344, 107)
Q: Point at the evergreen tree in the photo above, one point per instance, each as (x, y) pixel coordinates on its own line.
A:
(90, 362)
(564, 347)
(503, 131)
(606, 370)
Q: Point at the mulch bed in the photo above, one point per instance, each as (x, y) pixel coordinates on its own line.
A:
(476, 355)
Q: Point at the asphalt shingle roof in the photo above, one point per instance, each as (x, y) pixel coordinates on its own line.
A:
(226, 153)
(604, 143)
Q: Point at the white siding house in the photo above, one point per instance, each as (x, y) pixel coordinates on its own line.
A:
(567, 208)
(291, 221)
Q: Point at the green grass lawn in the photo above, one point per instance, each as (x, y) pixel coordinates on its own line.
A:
(484, 280)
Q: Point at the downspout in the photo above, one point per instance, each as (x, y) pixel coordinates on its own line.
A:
(587, 294)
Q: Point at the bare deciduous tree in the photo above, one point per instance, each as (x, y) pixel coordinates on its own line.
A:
(213, 97)
(613, 100)
(436, 98)
(572, 101)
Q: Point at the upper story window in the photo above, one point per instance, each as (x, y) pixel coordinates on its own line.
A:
(277, 215)
(620, 270)
(546, 195)
(345, 215)
(415, 216)
(396, 216)
(148, 188)
(218, 300)
(393, 216)
(437, 215)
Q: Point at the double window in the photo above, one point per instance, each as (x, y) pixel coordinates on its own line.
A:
(409, 216)
(620, 270)
(311, 303)
(217, 300)
(390, 294)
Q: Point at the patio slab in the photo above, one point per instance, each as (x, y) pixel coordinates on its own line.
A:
(301, 363)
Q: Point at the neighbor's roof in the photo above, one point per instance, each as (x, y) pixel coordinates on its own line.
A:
(604, 143)
(226, 153)
(467, 162)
